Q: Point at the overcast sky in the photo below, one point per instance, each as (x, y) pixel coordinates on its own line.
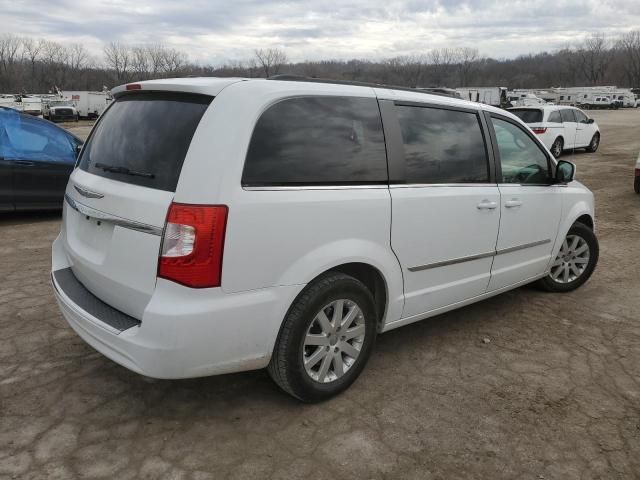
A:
(212, 31)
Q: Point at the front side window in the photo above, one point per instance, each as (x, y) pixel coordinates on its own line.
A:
(442, 146)
(521, 159)
(317, 141)
(26, 138)
(580, 117)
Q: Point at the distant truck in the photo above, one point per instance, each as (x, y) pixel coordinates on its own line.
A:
(63, 113)
(496, 96)
(88, 104)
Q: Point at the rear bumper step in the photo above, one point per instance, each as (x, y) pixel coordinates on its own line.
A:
(66, 281)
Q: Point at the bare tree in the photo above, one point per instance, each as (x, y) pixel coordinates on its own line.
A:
(466, 59)
(118, 57)
(271, 60)
(77, 57)
(595, 56)
(629, 47)
(10, 51)
(408, 68)
(441, 61)
(140, 62)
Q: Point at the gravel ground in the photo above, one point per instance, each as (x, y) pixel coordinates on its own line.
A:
(526, 385)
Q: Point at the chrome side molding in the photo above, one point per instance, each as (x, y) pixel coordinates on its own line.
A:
(451, 262)
(113, 219)
(478, 256)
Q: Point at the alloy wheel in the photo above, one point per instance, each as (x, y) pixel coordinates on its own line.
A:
(333, 341)
(572, 260)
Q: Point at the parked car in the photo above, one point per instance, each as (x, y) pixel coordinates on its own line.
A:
(636, 183)
(36, 159)
(561, 128)
(63, 113)
(601, 103)
(241, 224)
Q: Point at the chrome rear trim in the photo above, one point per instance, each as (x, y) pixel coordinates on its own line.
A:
(113, 219)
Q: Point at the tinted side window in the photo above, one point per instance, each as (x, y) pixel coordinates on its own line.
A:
(521, 159)
(442, 146)
(567, 115)
(35, 140)
(317, 141)
(554, 117)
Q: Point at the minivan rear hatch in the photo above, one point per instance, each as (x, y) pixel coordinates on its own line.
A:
(117, 199)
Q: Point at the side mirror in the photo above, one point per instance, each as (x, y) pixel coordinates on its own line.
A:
(590, 120)
(565, 172)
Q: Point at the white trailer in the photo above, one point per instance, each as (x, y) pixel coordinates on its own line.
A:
(496, 96)
(88, 104)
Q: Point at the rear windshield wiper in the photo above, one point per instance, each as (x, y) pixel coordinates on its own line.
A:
(123, 170)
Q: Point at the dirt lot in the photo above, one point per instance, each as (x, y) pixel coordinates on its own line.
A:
(554, 395)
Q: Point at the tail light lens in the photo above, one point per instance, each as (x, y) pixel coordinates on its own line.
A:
(539, 130)
(193, 244)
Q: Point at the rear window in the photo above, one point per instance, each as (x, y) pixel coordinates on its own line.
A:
(317, 141)
(528, 115)
(143, 138)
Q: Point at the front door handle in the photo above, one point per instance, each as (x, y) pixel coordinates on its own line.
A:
(487, 205)
(24, 163)
(513, 203)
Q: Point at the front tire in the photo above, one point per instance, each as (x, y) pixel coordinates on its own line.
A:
(594, 144)
(557, 147)
(575, 262)
(326, 338)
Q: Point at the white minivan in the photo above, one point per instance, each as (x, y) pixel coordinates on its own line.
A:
(561, 128)
(216, 225)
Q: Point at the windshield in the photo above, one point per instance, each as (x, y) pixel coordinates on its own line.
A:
(528, 115)
(147, 134)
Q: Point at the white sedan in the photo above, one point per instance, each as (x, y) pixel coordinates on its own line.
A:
(561, 128)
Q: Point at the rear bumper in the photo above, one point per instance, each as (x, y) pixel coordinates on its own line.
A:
(185, 332)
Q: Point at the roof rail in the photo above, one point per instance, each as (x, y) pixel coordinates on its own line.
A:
(301, 78)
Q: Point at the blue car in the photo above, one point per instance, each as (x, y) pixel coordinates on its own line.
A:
(36, 159)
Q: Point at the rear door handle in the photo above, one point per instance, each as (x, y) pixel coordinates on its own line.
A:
(487, 205)
(513, 203)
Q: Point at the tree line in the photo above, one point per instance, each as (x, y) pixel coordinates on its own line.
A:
(29, 65)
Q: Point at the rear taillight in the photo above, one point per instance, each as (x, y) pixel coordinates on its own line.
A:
(193, 244)
(637, 172)
(539, 130)
(134, 86)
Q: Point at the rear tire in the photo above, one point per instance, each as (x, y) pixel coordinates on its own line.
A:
(594, 144)
(575, 262)
(314, 363)
(557, 147)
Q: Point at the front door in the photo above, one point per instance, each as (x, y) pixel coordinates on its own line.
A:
(584, 130)
(530, 207)
(41, 156)
(445, 212)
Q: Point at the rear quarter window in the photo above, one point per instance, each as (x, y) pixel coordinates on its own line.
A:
(143, 138)
(528, 115)
(317, 141)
